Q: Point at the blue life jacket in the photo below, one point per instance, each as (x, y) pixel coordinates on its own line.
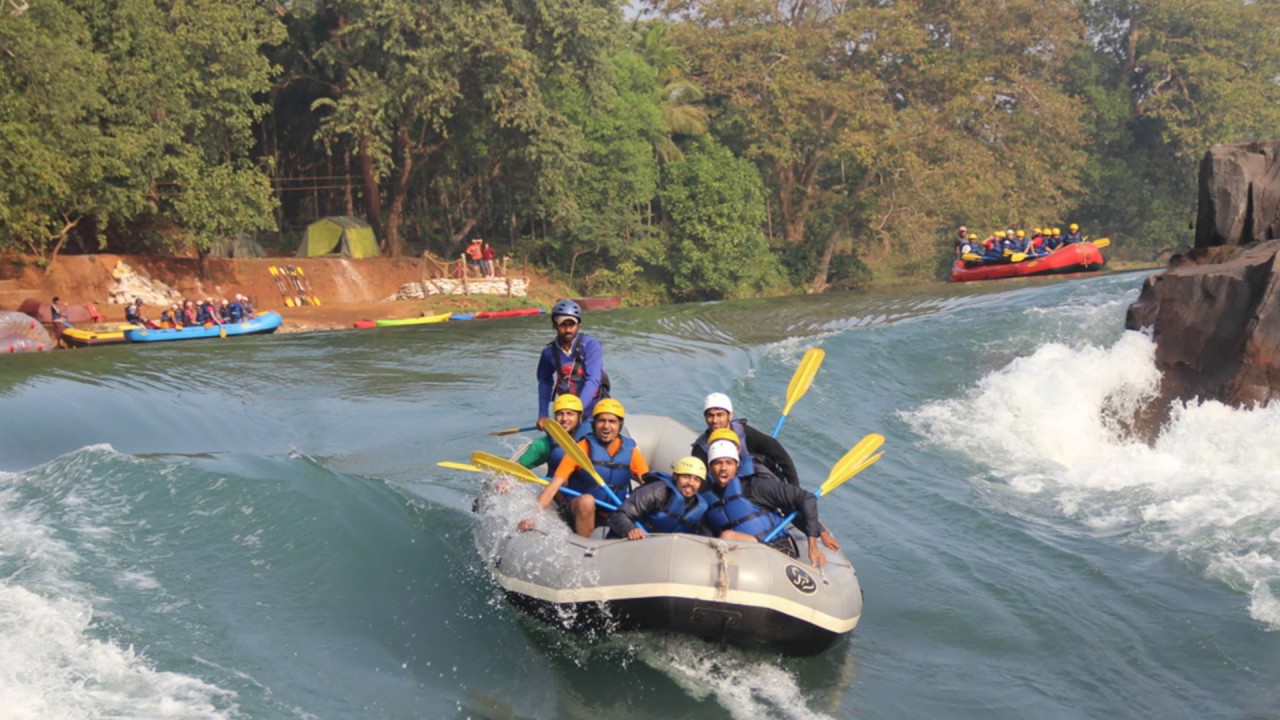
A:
(675, 518)
(615, 470)
(570, 376)
(738, 425)
(235, 312)
(733, 511)
(557, 453)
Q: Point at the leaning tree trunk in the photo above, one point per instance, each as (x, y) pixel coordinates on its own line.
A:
(203, 263)
(819, 282)
(60, 240)
(372, 195)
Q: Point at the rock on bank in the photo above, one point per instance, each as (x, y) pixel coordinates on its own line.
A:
(1215, 312)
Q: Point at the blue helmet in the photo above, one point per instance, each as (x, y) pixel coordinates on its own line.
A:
(567, 308)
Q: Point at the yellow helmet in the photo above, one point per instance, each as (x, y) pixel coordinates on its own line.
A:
(611, 406)
(1035, 231)
(1057, 231)
(566, 402)
(973, 236)
(1021, 233)
(690, 466)
(1074, 227)
(724, 434)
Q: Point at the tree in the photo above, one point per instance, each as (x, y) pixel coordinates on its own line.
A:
(681, 97)
(883, 112)
(121, 111)
(55, 164)
(714, 203)
(1169, 79)
(403, 76)
(615, 177)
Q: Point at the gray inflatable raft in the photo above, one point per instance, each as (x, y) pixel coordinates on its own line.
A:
(728, 591)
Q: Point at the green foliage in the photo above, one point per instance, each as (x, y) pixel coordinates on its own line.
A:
(719, 150)
(120, 110)
(53, 159)
(896, 117)
(617, 174)
(409, 82)
(714, 203)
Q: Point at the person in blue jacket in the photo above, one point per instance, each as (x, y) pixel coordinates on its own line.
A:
(573, 363)
(666, 503)
(750, 508)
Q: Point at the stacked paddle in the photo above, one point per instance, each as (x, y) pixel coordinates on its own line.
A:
(294, 286)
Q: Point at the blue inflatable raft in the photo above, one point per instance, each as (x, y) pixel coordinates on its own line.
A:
(265, 323)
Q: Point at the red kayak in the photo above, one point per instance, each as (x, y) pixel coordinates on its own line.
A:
(1077, 257)
(490, 314)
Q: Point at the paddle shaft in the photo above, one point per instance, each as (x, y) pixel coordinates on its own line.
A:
(513, 431)
(858, 458)
(529, 477)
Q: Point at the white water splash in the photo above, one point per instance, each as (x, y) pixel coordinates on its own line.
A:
(746, 686)
(1207, 490)
(53, 662)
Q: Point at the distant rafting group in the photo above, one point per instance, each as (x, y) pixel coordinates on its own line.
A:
(1013, 245)
(193, 313)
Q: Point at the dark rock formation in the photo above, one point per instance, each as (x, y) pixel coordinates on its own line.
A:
(1215, 312)
(1239, 195)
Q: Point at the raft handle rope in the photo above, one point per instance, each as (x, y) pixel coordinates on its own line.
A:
(722, 549)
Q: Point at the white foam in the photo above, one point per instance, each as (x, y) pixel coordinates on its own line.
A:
(743, 684)
(1207, 490)
(53, 661)
(51, 667)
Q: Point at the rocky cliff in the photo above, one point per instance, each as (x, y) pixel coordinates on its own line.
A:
(1215, 312)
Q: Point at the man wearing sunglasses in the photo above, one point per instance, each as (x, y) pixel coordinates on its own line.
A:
(573, 363)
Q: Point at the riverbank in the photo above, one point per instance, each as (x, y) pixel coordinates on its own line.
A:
(347, 290)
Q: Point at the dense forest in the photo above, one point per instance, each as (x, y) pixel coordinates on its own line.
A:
(673, 149)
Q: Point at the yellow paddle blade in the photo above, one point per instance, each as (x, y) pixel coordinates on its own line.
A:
(971, 257)
(803, 377)
(845, 466)
(505, 466)
(834, 483)
(573, 451)
(1017, 257)
(1102, 242)
(273, 270)
(459, 466)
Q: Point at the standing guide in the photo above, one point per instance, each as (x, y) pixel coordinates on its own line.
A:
(571, 364)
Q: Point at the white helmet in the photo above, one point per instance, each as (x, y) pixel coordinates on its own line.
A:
(718, 400)
(722, 449)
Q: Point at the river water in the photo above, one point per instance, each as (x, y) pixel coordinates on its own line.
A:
(256, 528)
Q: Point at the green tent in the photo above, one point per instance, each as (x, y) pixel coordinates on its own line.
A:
(339, 235)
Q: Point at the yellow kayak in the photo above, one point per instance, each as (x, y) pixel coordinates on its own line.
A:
(100, 334)
(425, 320)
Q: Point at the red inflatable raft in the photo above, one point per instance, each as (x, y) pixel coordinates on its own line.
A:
(1077, 257)
(491, 314)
